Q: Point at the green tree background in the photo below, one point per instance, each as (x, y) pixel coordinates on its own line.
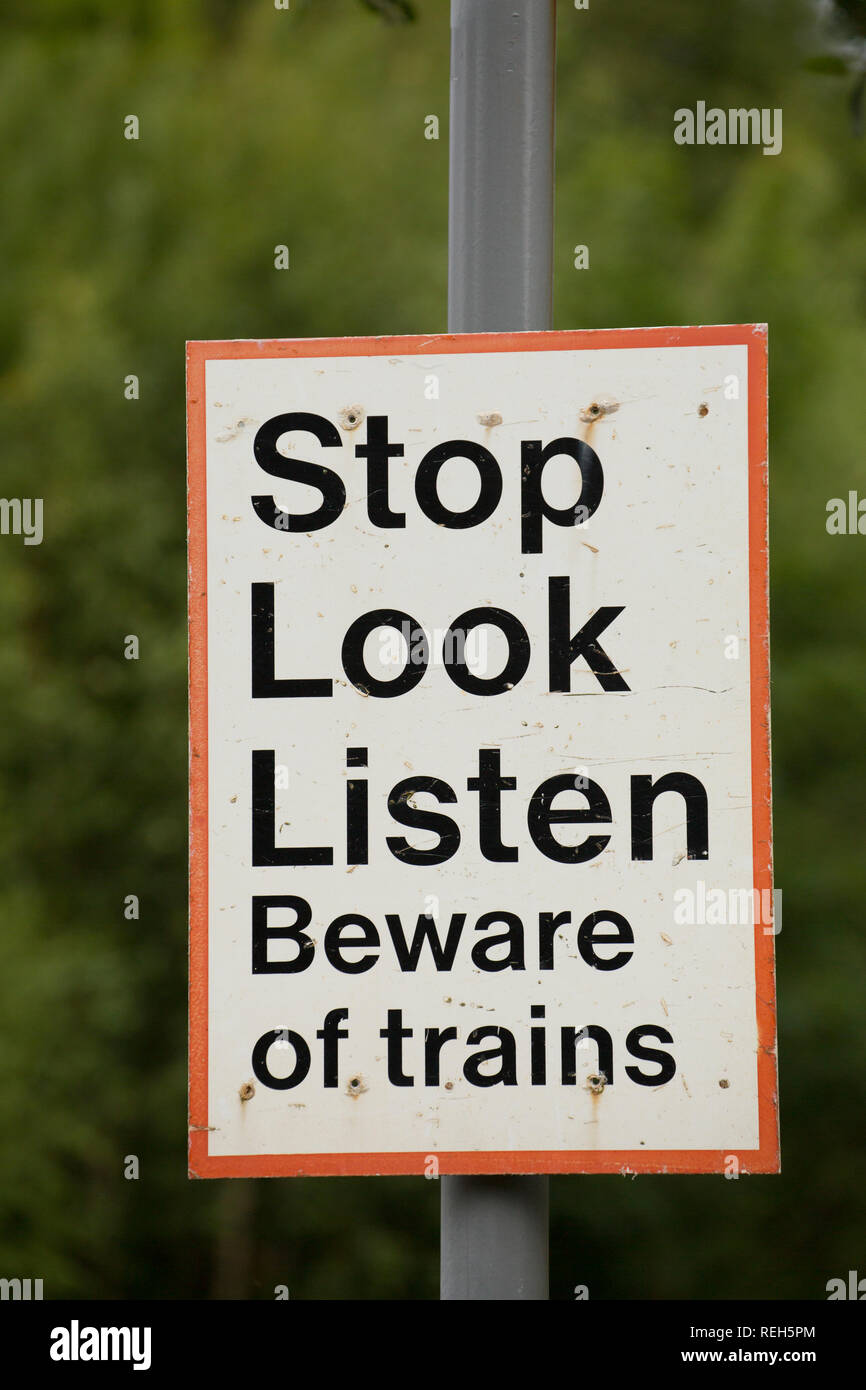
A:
(306, 127)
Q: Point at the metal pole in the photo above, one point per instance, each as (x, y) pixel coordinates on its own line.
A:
(500, 225)
(500, 276)
(494, 1238)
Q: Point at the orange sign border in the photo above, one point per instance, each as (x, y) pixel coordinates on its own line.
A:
(764, 1159)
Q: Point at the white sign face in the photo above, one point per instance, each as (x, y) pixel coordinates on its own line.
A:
(480, 860)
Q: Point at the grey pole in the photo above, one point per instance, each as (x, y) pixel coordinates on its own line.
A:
(494, 1238)
(500, 225)
(500, 277)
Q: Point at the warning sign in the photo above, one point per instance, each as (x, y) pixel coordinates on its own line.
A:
(480, 797)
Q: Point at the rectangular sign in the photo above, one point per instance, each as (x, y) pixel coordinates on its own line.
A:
(480, 869)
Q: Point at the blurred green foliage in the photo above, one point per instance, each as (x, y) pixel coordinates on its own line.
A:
(306, 127)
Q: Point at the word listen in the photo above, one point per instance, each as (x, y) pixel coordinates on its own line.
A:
(542, 814)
